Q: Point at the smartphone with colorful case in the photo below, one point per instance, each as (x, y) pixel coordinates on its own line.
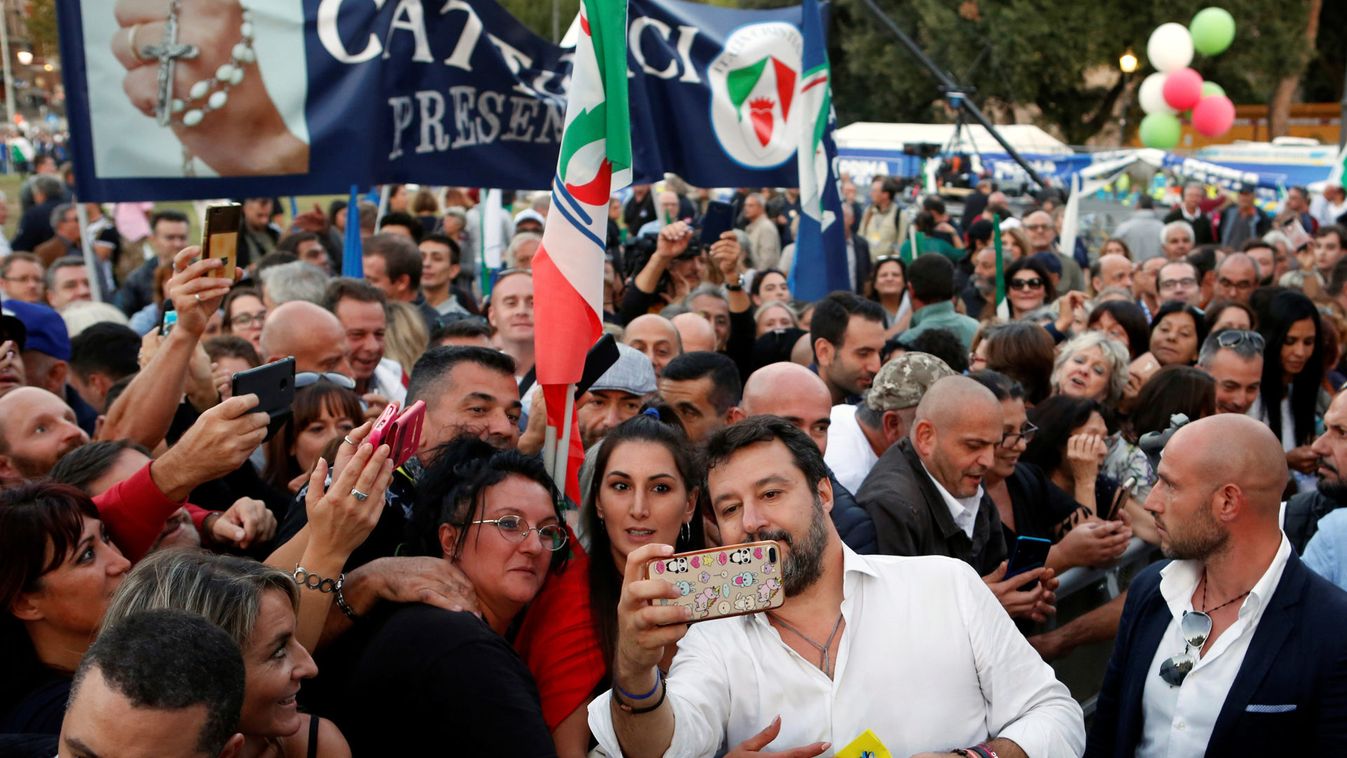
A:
(726, 581)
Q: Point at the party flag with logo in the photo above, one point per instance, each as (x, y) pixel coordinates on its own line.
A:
(595, 161)
(820, 243)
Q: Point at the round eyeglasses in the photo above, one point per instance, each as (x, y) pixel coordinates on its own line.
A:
(516, 529)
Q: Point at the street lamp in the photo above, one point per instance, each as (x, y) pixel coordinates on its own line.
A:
(1127, 63)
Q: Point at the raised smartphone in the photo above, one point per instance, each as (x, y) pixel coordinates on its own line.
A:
(1027, 554)
(273, 383)
(379, 433)
(221, 236)
(724, 581)
(405, 435)
(718, 219)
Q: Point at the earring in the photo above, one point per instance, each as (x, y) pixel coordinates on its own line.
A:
(686, 531)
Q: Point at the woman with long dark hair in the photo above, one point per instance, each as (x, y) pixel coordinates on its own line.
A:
(888, 287)
(1292, 400)
(321, 412)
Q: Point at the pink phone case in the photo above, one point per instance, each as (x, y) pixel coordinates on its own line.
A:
(725, 581)
(379, 434)
(407, 437)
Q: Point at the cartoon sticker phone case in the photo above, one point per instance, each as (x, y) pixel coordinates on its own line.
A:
(726, 581)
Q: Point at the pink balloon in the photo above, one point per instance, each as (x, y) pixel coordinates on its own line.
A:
(1183, 89)
(1214, 115)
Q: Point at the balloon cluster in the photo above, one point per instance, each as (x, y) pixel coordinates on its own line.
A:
(1176, 89)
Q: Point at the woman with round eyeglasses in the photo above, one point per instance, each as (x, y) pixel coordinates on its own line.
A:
(420, 675)
(1028, 288)
(244, 315)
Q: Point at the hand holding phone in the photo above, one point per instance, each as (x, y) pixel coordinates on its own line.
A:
(718, 219)
(220, 238)
(1027, 554)
(720, 582)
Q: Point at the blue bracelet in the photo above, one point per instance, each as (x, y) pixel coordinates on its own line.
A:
(659, 675)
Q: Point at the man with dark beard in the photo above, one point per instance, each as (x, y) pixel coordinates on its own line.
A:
(1233, 647)
(1303, 511)
(916, 650)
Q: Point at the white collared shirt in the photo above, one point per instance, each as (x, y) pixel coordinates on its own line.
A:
(964, 510)
(849, 453)
(1177, 721)
(928, 659)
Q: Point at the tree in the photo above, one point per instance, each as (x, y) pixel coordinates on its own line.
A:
(41, 23)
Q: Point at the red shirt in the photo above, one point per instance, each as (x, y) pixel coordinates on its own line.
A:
(558, 643)
(135, 511)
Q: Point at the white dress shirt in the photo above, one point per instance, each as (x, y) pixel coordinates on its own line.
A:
(1177, 721)
(964, 510)
(928, 660)
(849, 453)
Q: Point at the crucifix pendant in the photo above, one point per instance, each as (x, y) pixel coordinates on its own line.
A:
(167, 53)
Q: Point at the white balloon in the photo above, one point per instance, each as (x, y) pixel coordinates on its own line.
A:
(1170, 47)
(1152, 94)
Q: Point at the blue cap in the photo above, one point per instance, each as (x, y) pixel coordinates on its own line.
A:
(1050, 261)
(46, 329)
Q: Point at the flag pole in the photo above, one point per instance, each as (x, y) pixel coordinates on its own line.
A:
(562, 463)
(1000, 264)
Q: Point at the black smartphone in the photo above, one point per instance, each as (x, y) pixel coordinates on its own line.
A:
(274, 385)
(221, 236)
(1027, 554)
(1119, 497)
(719, 219)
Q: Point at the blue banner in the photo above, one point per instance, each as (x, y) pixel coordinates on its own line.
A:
(238, 99)
(820, 244)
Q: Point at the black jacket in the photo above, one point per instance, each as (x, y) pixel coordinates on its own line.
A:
(911, 518)
(1202, 232)
(1303, 512)
(854, 525)
(1289, 697)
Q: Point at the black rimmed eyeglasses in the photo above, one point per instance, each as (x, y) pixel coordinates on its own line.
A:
(1025, 435)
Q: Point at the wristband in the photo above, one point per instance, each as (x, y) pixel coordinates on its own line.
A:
(628, 708)
(984, 750)
(659, 677)
(341, 603)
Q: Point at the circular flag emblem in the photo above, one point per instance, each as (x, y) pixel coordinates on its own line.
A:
(754, 87)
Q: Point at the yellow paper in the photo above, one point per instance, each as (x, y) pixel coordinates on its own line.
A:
(865, 746)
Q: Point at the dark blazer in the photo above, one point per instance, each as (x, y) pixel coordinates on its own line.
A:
(1202, 231)
(1289, 697)
(854, 525)
(911, 518)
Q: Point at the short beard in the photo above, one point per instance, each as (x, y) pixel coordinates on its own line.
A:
(1335, 491)
(1204, 540)
(803, 564)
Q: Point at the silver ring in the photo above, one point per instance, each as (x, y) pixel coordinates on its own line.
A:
(358, 495)
(347, 439)
(198, 297)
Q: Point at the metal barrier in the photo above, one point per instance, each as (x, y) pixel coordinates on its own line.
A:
(1082, 590)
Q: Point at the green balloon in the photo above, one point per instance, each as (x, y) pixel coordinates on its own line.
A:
(1210, 89)
(1160, 130)
(1213, 30)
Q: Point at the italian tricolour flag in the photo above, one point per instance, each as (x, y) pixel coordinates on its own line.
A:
(595, 161)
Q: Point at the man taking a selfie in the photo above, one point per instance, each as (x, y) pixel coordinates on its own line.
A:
(841, 655)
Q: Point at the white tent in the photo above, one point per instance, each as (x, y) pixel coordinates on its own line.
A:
(1025, 138)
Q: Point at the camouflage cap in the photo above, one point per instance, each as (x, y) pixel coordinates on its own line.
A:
(903, 381)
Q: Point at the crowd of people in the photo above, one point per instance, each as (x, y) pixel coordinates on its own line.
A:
(182, 574)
